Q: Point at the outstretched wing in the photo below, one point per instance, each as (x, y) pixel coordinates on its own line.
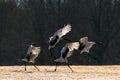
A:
(35, 53)
(57, 36)
(36, 50)
(67, 50)
(63, 31)
(72, 46)
(88, 47)
(84, 40)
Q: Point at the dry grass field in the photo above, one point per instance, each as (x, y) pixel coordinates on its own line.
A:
(63, 73)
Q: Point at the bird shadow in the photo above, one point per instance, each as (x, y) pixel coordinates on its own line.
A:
(22, 71)
(49, 70)
(17, 71)
(58, 71)
(29, 72)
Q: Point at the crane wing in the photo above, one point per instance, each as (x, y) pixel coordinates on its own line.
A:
(63, 31)
(29, 50)
(70, 54)
(73, 45)
(33, 50)
(84, 40)
(67, 51)
(87, 47)
(36, 50)
(35, 53)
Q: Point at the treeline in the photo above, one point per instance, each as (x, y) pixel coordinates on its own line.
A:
(23, 22)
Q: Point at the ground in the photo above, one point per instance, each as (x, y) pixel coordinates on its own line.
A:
(109, 72)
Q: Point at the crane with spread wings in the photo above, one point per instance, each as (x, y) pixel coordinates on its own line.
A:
(57, 36)
(66, 52)
(31, 55)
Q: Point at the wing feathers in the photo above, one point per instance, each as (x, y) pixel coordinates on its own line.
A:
(84, 40)
(87, 47)
(63, 31)
(73, 45)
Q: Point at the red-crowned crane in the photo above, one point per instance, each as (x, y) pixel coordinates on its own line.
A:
(66, 52)
(32, 54)
(57, 36)
(86, 45)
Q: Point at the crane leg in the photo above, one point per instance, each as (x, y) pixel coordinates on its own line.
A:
(35, 66)
(25, 66)
(69, 67)
(56, 66)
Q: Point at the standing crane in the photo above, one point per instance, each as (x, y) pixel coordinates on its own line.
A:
(32, 54)
(66, 52)
(57, 36)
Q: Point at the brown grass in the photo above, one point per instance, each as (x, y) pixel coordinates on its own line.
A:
(62, 73)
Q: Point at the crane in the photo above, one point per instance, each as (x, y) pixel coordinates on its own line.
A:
(86, 45)
(66, 52)
(57, 36)
(31, 55)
